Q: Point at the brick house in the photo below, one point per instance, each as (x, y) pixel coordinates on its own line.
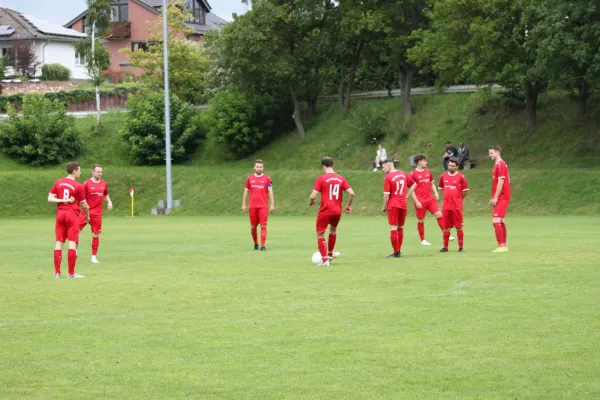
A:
(131, 20)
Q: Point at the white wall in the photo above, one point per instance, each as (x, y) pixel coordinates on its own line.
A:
(59, 53)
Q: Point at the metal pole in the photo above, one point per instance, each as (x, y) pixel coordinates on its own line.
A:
(167, 108)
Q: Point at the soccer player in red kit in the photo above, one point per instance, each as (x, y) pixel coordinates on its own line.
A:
(96, 193)
(500, 197)
(68, 196)
(331, 186)
(258, 186)
(397, 185)
(425, 186)
(455, 189)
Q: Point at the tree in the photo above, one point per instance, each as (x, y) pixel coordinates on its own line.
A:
(187, 63)
(26, 62)
(569, 46)
(95, 54)
(486, 41)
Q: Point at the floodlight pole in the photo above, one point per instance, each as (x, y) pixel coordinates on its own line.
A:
(167, 107)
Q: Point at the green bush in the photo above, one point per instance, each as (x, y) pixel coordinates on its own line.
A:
(55, 72)
(240, 122)
(3, 65)
(144, 130)
(43, 134)
(371, 124)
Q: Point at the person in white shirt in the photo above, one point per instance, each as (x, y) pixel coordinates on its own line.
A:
(380, 158)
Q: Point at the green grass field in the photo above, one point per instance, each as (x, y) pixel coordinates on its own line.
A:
(182, 308)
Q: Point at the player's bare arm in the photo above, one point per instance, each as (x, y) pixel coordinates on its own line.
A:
(411, 193)
(386, 198)
(109, 206)
(312, 199)
(272, 200)
(348, 208)
(435, 192)
(86, 210)
(494, 200)
(245, 200)
(53, 199)
(465, 193)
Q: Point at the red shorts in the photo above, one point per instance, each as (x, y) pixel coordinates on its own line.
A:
(397, 216)
(324, 220)
(95, 222)
(66, 227)
(258, 216)
(453, 218)
(429, 205)
(500, 209)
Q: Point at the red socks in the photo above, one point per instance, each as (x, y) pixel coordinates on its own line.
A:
(331, 244)
(400, 238)
(57, 261)
(72, 260)
(394, 240)
(499, 234)
(461, 238)
(446, 239)
(263, 235)
(421, 229)
(440, 221)
(254, 235)
(322, 249)
(95, 244)
(504, 240)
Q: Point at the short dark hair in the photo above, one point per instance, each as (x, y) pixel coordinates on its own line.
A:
(453, 160)
(448, 142)
(258, 161)
(94, 166)
(388, 161)
(495, 147)
(72, 167)
(419, 157)
(327, 162)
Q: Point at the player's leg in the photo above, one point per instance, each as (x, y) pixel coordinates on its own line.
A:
(73, 237)
(458, 220)
(420, 213)
(401, 221)
(321, 227)
(448, 224)
(393, 222)
(263, 214)
(435, 210)
(253, 213)
(96, 225)
(334, 221)
(499, 213)
(60, 232)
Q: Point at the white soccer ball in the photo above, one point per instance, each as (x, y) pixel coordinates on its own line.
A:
(316, 258)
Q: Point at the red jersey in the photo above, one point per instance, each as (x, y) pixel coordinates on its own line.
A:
(423, 180)
(501, 171)
(331, 186)
(259, 186)
(396, 184)
(66, 188)
(453, 187)
(94, 195)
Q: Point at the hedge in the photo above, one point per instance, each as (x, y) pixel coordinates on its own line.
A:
(68, 97)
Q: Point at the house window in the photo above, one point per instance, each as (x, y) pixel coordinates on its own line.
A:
(79, 59)
(8, 53)
(119, 11)
(144, 46)
(198, 13)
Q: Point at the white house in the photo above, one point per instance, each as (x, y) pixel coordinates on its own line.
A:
(53, 44)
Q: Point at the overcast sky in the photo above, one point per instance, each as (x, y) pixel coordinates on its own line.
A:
(62, 11)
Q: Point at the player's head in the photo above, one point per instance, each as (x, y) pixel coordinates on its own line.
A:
(74, 169)
(421, 160)
(327, 162)
(452, 164)
(448, 144)
(494, 152)
(388, 166)
(97, 171)
(259, 166)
